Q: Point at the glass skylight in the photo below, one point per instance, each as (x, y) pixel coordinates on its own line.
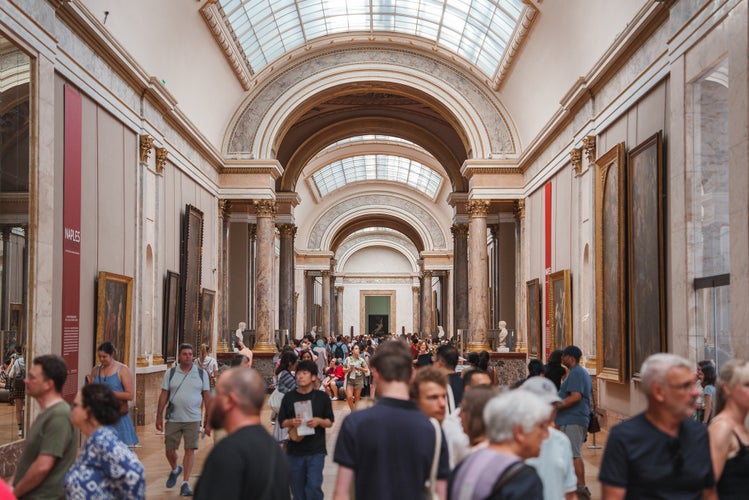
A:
(377, 168)
(477, 30)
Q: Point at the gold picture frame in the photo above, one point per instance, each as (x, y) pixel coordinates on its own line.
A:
(611, 312)
(207, 300)
(533, 322)
(114, 307)
(560, 309)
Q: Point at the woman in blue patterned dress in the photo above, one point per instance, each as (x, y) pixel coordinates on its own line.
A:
(105, 468)
(117, 376)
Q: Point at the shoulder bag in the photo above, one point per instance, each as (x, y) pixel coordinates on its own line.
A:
(430, 487)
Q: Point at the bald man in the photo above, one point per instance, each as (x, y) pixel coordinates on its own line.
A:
(250, 464)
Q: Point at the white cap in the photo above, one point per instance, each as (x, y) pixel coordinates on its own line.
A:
(542, 387)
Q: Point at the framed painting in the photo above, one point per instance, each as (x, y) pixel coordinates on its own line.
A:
(646, 259)
(114, 306)
(533, 310)
(170, 333)
(611, 332)
(15, 324)
(207, 299)
(560, 309)
(190, 271)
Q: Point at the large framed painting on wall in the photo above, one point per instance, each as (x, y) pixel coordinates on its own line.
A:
(170, 334)
(560, 309)
(207, 299)
(114, 306)
(533, 322)
(647, 322)
(611, 333)
(190, 271)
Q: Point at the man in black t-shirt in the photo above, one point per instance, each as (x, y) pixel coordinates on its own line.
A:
(306, 412)
(661, 453)
(249, 463)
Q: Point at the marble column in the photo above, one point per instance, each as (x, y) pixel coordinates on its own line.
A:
(495, 281)
(326, 304)
(416, 307)
(520, 266)
(224, 207)
(460, 277)
(252, 275)
(339, 310)
(333, 316)
(477, 276)
(426, 304)
(266, 235)
(5, 283)
(286, 279)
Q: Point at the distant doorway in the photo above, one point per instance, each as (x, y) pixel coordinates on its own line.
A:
(377, 311)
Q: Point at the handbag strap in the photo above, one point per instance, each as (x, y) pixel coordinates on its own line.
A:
(508, 474)
(172, 394)
(436, 457)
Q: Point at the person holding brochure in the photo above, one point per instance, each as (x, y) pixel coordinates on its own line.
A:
(306, 412)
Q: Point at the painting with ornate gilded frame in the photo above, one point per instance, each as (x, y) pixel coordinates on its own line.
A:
(114, 305)
(611, 332)
(646, 258)
(533, 310)
(190, 271)
(170, 333)
(560, 309)
(207, 299)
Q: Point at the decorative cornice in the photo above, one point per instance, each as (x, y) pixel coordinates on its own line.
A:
(236, 59)
(518, 36)
(520, 208)
(286, 230)
(265, 208)
(161, 154)
(478, 208)
(146, 143)
(589, 147)
(576, 158)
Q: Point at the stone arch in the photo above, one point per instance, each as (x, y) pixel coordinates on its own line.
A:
(348, 249)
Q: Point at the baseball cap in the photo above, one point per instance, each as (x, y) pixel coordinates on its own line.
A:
(543, 388)
(574, 351)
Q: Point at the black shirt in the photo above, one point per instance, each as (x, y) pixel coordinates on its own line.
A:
(321, 407)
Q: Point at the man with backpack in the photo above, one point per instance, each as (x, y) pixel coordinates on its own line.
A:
(183, 390)
(340, 349)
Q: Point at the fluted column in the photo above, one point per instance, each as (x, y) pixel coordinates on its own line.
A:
(426, 304)
(460, 277)
(333, 321)
(252, 276)
(520, 265)
(339, 310)
(416, 307)
(264, 284)
(495, 276)
(224, 207)
(5, 285)
(286, 279)
(477, 276)
(326, 304)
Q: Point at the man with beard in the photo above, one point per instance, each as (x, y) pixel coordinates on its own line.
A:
(249, 464)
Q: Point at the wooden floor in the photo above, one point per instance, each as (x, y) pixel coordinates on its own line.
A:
(151, 453)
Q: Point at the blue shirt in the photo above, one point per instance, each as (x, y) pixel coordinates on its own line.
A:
(105, 468)
(577, 380)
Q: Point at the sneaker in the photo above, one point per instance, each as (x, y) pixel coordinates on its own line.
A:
(172, 480)
(583, 493)
(185, 490)
(334, 399)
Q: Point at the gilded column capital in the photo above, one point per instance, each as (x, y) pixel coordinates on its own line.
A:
(520, 208)
(478, 208)
(494, 228)
(146, 143)
(265, 208)
(286, 230)
(325, 274)
(589, 147)
(251, 232)
(339, 289)
(459, 230)
(576, 158)
(427, 274)
(224, 208)
(161, 154)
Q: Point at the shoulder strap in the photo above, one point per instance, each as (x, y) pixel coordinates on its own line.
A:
(436, 457)
(171, 373)
(508, 474)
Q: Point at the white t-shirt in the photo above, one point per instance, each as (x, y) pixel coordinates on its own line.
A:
(554, 466)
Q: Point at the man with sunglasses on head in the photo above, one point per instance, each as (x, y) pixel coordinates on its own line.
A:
(662, 452)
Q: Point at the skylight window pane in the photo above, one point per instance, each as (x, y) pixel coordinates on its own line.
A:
(431, 10)
(358, 22)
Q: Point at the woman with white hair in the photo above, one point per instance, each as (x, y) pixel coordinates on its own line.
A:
(729, 438)
(516, 424)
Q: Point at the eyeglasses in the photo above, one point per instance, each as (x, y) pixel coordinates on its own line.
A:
(674, 446)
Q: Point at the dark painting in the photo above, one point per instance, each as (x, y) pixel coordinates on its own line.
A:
(170, 334)
(190, 270)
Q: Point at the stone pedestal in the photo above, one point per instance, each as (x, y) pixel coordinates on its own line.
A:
(509, 366)
(263, 363)
(147, 390)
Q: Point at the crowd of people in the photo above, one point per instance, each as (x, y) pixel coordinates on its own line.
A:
(430, 427)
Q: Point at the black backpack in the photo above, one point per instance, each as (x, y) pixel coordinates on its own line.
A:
(338, 350)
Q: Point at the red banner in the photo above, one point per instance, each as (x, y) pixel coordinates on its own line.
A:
(71, 241)
(547, 264)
